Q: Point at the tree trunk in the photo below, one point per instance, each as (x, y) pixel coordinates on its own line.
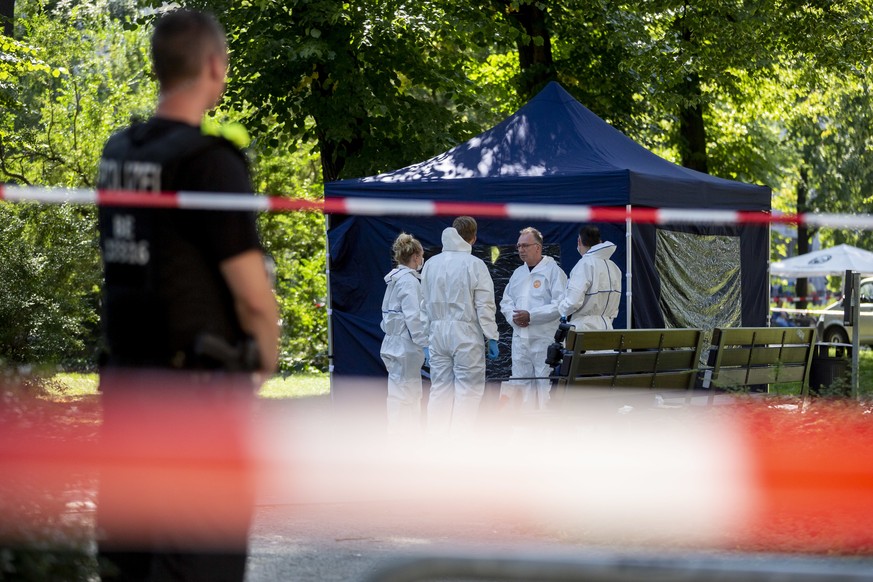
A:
(692, 131)
(801, 287)
(534, 58)
(334, 153)
(331, 163)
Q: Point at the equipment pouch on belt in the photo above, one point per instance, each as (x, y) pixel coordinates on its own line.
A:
(211, 351)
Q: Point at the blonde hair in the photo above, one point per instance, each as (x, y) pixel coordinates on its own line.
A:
(466, 227)
(404, 247)
(538, 236)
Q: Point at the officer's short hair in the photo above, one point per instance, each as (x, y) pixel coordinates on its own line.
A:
(590, 235)
(181, 41)
(466, 227)
(538, 236)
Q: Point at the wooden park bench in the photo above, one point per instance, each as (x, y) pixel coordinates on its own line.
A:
(637, 358)
(748, 356)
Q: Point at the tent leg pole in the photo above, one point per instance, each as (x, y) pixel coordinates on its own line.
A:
(856, 331)
(329, 305)
(629, 251)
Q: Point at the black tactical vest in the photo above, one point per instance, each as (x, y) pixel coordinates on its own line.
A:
(161, 289)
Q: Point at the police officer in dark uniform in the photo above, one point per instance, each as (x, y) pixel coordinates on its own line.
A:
(191, 327)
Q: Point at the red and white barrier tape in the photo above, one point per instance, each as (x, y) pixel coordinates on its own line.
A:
(791, 312)
(394, 207)
(811, 298)
(771, 475)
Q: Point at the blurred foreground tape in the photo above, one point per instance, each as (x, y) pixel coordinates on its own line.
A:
(813, 476)
(750, 476)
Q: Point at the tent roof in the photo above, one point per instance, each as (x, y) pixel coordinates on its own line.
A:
(833, 261)
(556, 150)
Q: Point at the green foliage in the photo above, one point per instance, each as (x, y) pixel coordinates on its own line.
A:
(295, 241)
(736, 60)
(19, 60)
(49, 282)
(745, 131)
(372, 76)
(55, 135)
(592, 49)
(493, 75)
(834, 146)
(91, 79)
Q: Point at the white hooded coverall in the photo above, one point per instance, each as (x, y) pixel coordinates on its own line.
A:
(594, 290)
(538, 292)
(403, 348)
(459, 305)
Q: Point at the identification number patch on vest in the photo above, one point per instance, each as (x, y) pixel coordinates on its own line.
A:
(127, 252)
(123, 247)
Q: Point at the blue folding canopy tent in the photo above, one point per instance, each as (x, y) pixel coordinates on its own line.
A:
(555, 151)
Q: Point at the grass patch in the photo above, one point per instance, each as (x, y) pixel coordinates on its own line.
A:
(842, 385)
(296, 386)
(73, 386)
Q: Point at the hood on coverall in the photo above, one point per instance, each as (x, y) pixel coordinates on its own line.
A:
(594, 289)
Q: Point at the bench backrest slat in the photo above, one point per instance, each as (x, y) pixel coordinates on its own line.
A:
(745, 356)
(632, 339)
(654, 358)
(763, 355)
(680, 379)
(764, 375)
(635, 362)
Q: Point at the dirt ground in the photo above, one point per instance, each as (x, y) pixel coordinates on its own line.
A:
(349, 542)
(376, 543)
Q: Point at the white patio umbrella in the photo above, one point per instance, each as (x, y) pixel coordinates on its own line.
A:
(833, 261)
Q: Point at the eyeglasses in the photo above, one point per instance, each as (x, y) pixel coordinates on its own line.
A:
(523, 246)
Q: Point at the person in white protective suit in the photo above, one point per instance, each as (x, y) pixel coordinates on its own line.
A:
(530, 305)
(404, 348)
(459, 304)
(594, 288)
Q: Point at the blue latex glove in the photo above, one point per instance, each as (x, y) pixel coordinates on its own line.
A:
(427, 357)
(493, 349)
(563, 319)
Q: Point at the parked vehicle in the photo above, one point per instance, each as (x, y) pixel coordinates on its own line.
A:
(830, 326)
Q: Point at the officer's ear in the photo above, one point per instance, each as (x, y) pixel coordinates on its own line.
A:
(216, 64)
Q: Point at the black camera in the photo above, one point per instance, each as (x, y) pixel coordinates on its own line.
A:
(555, 353)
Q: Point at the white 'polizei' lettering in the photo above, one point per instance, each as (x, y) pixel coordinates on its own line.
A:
(142, 176)
(109, 175)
